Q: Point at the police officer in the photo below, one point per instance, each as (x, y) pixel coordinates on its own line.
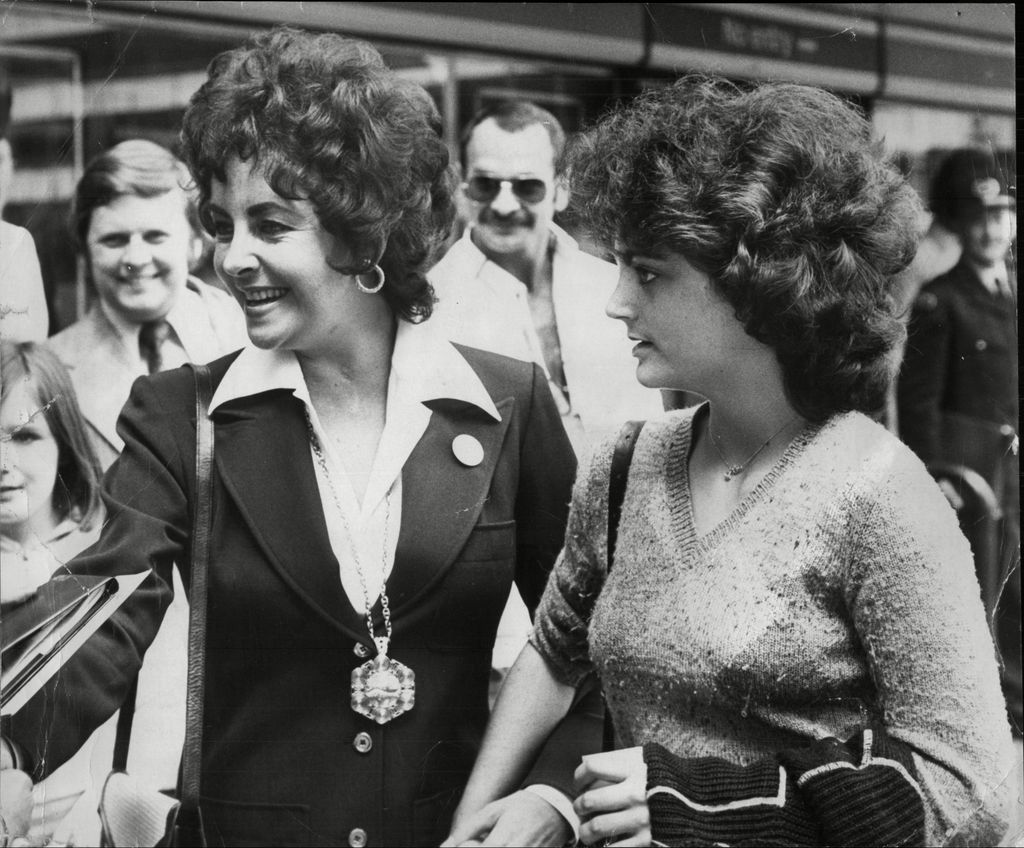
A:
(957, 393)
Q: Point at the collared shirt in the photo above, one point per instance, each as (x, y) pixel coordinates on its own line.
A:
(101, 353)
(515, 334)
(482, 305)
(364, 536)
(186, 334)
(172, 352)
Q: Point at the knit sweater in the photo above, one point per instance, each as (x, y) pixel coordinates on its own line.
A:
(839, 597)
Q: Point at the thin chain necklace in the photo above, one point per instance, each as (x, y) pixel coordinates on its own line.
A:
(382, 688)
(732, 471)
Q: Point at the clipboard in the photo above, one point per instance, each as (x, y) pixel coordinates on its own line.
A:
(42, 633)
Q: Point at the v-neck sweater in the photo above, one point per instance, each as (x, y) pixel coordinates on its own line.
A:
(839, 595)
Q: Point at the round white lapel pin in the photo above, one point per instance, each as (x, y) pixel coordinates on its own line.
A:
(468, 450)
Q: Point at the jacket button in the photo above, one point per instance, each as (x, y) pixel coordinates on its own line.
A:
(980, 344)
(360, 650)
(357, 837)
(362, 743)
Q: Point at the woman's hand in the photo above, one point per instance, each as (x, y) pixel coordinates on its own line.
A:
(521, 818)
(529, 706)
(612, 798)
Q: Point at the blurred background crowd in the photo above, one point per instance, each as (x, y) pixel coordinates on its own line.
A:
(87, 75)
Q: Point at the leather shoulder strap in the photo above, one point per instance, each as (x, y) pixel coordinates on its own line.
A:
(197, 601)
(621, 459)
(192, 753)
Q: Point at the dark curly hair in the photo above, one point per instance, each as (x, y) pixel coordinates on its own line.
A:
(780, 194)
(325, 120)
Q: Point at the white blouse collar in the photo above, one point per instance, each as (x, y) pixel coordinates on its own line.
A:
(424, 365)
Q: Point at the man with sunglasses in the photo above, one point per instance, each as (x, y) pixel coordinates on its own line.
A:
(517, 284)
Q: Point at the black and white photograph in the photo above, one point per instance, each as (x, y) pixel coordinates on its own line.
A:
(509, 424)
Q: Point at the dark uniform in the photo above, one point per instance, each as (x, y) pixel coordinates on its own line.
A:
(958, 402)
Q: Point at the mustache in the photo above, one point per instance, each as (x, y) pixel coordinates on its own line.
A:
(521, 217)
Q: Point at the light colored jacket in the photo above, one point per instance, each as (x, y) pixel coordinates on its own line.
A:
(207, 322)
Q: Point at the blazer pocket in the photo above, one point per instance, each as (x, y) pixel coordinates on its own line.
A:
(472, 595)
(242, 824)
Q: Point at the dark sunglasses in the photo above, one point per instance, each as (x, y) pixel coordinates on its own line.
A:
(485, 189)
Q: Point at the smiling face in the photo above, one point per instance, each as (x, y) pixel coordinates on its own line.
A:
(28, 465)
(508, 225)
(138, 249)
(688, 337)
(276, 259)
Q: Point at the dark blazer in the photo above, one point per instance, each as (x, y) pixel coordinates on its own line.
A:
(961, 361)
(285, 759)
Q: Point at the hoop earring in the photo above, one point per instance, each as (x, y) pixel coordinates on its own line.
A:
(376, 269)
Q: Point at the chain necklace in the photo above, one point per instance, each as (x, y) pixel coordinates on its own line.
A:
(732, 471)
(382, 688)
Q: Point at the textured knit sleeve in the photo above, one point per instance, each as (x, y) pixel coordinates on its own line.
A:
(562, 622)
(915, 604)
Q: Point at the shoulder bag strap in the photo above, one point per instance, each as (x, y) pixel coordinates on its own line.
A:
(197, 600)
(124, 728)
(192, 753)
(617, 477)
(621, 459)
(189, 816)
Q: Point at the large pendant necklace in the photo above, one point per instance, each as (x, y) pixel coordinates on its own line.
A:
(382, 688)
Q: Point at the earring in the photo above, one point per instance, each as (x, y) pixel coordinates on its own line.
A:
(376, 269)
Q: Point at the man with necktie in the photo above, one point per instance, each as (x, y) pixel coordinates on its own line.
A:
(958, 394)
(137, 231)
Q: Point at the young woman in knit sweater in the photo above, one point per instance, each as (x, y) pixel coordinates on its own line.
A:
(791, 642)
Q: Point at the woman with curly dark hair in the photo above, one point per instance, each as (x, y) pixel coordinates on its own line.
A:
(377, 490)
(791, 642)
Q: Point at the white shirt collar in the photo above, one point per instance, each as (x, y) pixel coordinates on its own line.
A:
(425, 367)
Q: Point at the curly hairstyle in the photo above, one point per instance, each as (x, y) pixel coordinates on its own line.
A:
(135, 167)
(77, 492)
(780, 194)
(324, 119)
